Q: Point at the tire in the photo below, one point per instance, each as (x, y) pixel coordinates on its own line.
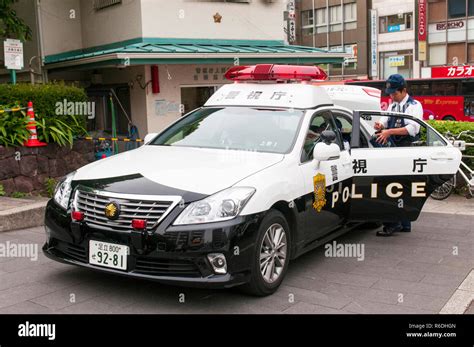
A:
(449, 119)
(259, 285)
(445, 190)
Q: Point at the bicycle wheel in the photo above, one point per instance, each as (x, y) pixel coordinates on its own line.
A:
(445, 190)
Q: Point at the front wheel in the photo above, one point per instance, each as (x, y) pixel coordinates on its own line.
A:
(271, 256)
(445, 190)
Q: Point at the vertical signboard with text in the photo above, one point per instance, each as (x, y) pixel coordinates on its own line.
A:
(291, 21)
(421, 30)
(373, 43)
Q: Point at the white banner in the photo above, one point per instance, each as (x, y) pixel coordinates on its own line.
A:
(373, 43)
(13, 50)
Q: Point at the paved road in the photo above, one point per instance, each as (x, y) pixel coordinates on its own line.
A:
(407, 273)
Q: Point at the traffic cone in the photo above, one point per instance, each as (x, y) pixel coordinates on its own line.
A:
(33, 140)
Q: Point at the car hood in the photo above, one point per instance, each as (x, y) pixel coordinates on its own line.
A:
(199, 170)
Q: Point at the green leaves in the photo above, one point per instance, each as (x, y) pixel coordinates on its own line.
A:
(11, 25)
(51, 127)
(13, 131)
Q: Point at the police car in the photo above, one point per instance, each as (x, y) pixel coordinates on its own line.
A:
(274, 165)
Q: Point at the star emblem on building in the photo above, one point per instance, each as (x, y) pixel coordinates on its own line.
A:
(217, 18)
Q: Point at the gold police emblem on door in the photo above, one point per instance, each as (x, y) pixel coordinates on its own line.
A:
(319, 182)
(112, 210)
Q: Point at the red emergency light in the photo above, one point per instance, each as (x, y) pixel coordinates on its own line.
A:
(271, 72)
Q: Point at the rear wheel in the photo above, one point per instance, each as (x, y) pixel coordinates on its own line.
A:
(449, 118)
(271, 255)
(445, 190)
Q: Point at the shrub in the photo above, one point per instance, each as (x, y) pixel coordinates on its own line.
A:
(50, 185)
(2, 190)
(456, 128)
(51, 127)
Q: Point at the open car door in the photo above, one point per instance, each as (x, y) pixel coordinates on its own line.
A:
(393, 183)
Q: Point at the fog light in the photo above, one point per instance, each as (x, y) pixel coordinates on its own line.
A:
(218, 263)
(139, 223)
(77, 216)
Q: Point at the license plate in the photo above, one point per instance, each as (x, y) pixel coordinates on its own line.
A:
(108, 254)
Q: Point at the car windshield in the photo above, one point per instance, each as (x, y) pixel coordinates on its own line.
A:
(239, 128)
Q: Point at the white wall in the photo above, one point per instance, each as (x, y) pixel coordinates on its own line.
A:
(258, 20)
(112, 24)
(170, 90)
(61, 31)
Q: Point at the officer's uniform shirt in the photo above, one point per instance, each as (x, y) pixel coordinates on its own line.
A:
(410, 107)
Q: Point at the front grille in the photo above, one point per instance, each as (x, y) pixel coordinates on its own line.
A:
(73, 252)
(131, 207)
(163, 267)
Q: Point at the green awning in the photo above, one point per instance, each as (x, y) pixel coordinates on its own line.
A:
(191, 51)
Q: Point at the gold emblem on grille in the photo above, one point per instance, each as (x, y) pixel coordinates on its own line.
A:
(112, 210)
(319, 182)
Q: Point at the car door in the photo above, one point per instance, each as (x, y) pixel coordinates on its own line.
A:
(320, 217)
(393, 183)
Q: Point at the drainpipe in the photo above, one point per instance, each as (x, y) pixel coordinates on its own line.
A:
(314, 26)
(39, 30)
(342, 36)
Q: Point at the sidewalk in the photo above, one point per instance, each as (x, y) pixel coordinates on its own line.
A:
(21, 213)
(455, 204)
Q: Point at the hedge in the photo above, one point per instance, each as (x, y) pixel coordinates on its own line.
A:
(51, 127)
(456, 128)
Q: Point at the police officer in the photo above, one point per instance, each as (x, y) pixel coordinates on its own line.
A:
(399, 132)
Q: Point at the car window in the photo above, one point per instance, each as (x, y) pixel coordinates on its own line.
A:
(420, 134)
(344, 125)
(238, 128)
(319, 122)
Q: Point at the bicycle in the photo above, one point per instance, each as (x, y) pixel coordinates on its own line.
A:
(445, 190)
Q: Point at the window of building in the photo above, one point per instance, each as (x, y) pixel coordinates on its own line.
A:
(456, 8)
(470, 8)
(350, 16)
(457, 53)
(396, 23)
(437, 55)
(396, 63)
(437, 11)
(101, 4)
(335, 18)
(307, 22)
(321, 22)
(470, 52)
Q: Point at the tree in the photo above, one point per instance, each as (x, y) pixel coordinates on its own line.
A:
(11, 26)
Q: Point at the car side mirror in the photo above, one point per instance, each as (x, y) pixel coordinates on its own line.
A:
(149, 137)
(328, 136)
(323, 151)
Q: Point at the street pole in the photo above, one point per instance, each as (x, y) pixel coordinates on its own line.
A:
(13, 76)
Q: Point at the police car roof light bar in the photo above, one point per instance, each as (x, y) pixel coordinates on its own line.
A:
(267, 72)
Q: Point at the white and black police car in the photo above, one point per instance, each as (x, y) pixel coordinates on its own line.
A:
(271, 167)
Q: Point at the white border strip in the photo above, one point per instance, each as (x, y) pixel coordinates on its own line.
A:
(462, 297)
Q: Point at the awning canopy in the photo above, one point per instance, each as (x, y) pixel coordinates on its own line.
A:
(191, 51)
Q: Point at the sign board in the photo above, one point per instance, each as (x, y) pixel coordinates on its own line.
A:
(373, 43)
(421, 28)
(452, 71)
(13, 50)
(456, 24)
(398, 60)
(291, 21)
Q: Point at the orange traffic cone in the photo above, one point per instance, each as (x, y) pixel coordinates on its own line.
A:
(33, 140)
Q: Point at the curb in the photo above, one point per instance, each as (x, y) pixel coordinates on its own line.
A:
(31, 215)
(459, 302)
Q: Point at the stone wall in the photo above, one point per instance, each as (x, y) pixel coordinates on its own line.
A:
(25, 170)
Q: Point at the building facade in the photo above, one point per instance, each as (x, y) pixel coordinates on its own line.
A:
(396, 38)
(157, 59)
(337, 26)
(450, 32)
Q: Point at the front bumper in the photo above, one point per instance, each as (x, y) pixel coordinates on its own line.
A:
(172, 254)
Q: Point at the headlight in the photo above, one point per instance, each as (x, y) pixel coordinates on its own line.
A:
(221, 206)
(62, 193)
